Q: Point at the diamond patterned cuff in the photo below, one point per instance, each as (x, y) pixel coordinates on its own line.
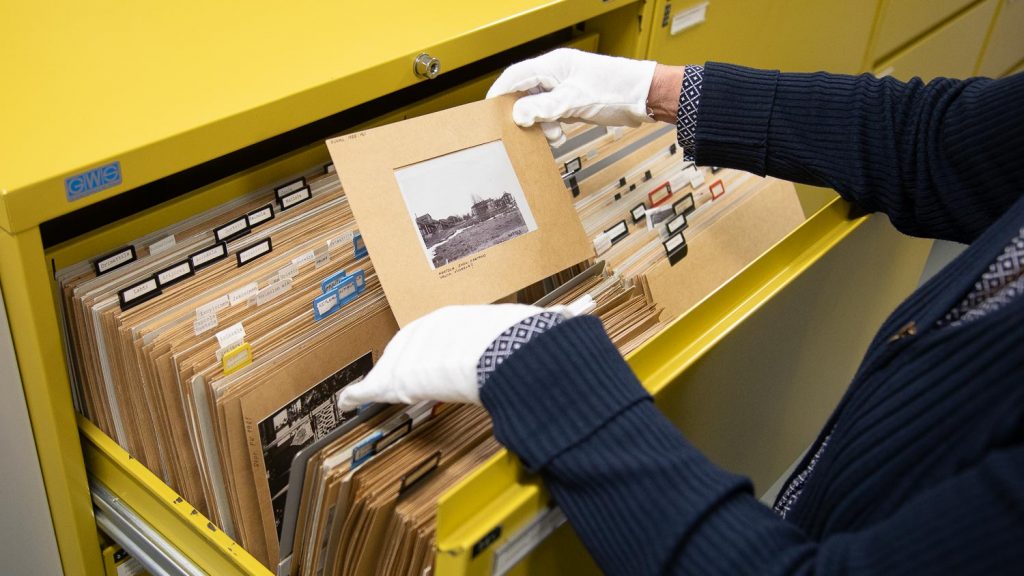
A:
(686, 117)
(513, 339)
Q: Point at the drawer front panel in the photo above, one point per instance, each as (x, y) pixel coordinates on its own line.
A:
(952, 50)
(239, 80)
(1005, 48)
(903, 20)
(793, 35)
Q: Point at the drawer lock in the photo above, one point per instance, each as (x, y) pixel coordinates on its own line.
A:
(426, 66)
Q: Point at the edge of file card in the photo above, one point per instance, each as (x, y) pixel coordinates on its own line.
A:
(213, 350)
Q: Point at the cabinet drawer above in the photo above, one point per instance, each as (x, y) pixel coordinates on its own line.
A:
(162, 88)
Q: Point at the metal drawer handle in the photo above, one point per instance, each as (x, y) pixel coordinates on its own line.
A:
(426, 66)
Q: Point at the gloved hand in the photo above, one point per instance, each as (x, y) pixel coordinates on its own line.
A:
(572, 85)
(435, 357)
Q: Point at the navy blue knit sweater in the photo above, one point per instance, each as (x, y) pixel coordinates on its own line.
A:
(924, 471)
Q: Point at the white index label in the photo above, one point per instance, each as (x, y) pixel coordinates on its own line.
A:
(139, 290)
(618, 231)
(697, 179)
(211, 308)
(304, 259)
(231, 336)
(230, 229)
(260, 216)
(288, 271)
(323, 258)
(325, 305)
(203, 324)
(243, 294)
(254, 251)
(173, 273)
(209, 255)
(162, 245)
(294, 198)
(674, 242)
(675, 224)
(115, 260)
(286, 189)
(688, 18)
(274, 290)
(344, 239)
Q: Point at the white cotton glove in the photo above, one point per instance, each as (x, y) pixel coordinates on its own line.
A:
(574, 86)
(435, 357)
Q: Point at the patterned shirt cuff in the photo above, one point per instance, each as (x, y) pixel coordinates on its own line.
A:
(686, 117)
(513, 339)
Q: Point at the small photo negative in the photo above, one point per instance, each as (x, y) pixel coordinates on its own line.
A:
(465, 202)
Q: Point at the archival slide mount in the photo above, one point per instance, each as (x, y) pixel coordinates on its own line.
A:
(458, 207)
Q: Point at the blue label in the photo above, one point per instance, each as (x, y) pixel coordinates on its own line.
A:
(358, 247)
(93, 181)
(364, 450)
(332, 281)
(346, 290)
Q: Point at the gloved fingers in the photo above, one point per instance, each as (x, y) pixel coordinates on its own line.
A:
(369, 389)
(544, 107)
(531, 83)
(553, 132)
(545, 71)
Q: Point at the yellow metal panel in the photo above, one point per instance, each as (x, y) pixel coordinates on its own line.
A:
(162, 87)
(1005, 47)
(901, 21)
(33, 321)
(756, 400)
(951, 50)
(624, 32)
(793, 35)
(166, 511)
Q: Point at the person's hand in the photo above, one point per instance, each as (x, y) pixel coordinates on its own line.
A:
(573, 86)
(435, 357)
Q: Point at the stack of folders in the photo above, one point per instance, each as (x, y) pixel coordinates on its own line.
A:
(213, 351)
(642, 205)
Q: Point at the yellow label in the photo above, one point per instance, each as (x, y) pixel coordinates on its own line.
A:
(236, 359)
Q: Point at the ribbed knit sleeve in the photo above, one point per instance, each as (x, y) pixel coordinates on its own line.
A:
(557, 389)
(644, 501)
(937, 158)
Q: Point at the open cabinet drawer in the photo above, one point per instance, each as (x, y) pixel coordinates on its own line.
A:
(243, 88)
(478, 518)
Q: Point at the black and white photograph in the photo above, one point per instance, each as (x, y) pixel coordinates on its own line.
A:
(465, 202)
(300, 423)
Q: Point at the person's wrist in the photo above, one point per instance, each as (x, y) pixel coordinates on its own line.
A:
(663, 96)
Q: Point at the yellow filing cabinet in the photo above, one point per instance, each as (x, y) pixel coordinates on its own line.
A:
(790, 35)
(951, 50)
(198, 103)
(1005, 48)
(901, 21)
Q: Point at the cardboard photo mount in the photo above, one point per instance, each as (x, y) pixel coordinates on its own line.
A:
(366, 162)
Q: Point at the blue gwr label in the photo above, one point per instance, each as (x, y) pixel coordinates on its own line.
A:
(86, 183)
